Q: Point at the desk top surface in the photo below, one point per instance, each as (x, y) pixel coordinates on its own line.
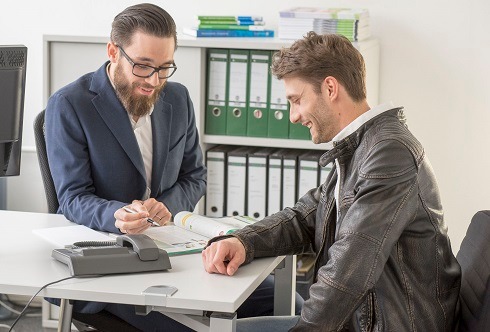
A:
(26, 265)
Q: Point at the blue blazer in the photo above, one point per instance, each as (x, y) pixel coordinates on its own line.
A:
(95, 160)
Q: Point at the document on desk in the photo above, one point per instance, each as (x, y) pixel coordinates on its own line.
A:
(67, 235)
(191, 232)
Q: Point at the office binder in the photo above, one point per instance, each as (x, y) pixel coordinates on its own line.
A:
(278, 124)
(274, 182)
(308, 171)
(257, 183)
(258, 106)
(217, 90)
(216, 159)
(236, 117)
(289, 177)
(236, 182)
(298, 131)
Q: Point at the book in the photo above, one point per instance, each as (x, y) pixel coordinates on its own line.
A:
(211, 227)
(226, 33)
(351, 23)
(231, 22)
(229, 18)
(231, 27)
(305, 270)
(191, 232)
(305, 266)
(325, 13)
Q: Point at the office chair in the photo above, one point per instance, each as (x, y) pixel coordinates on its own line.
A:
(474, 258)
(101, 321)
(42, 157)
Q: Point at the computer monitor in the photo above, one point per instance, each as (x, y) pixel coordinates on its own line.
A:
(13, 61)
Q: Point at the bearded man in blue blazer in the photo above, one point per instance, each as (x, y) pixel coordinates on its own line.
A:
(125, 136)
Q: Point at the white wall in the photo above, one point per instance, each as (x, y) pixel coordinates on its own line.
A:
(434, 61)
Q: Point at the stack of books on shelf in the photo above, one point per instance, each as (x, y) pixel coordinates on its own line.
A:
(229, 26)
(352, 23)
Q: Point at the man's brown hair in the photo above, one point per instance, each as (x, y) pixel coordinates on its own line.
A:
(145, 17)
(317, 56)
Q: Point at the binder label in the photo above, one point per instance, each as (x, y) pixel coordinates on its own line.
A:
(217, 80)
(278, 95)
(259, 73)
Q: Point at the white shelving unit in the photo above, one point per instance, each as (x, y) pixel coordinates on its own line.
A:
(88, 53)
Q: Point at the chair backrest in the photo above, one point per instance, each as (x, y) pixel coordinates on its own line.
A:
(474, 258)
(42, 157)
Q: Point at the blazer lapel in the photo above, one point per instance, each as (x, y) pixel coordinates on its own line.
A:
(115, 116)
(161, 123)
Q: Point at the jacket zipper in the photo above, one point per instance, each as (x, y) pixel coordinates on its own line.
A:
(326, 234)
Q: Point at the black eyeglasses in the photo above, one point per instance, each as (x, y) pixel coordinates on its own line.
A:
(146, 71)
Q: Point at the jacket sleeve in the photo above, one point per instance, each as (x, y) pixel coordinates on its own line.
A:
(290, 231)
(191, 183)
(385, 201)
(71, 171)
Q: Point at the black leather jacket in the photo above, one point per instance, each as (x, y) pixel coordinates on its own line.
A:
(383, 260)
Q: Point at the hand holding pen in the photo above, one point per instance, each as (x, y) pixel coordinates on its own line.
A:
(133, 219)
(151, 221)
(157, 210)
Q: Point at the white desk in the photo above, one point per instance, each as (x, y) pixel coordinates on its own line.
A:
(26, 265)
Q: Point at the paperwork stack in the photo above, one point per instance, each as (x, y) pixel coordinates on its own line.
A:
(294, 23)
(229, 26)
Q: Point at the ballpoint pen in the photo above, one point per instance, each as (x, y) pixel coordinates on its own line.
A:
(151, 221)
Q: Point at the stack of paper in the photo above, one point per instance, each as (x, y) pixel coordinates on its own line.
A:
(294, 23)
(229, 26)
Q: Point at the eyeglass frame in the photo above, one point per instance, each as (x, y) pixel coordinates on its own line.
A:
(155, 69)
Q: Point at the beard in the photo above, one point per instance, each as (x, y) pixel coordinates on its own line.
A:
(137, 105)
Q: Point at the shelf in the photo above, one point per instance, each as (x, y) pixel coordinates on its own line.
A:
(262, 141)
(189, 41)
(253, 43)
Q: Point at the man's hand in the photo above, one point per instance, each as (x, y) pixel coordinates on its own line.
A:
(157, 210)
(132, 222)
(224, 256)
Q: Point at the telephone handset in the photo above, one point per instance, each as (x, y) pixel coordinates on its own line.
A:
(128, 254)
(142, 244)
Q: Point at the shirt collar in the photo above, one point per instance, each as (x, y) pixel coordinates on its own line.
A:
(358, 122)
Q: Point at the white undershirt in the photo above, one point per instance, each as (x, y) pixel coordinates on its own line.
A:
(142, 131)
(144, 136)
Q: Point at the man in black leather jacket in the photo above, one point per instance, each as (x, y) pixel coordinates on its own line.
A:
(383, 257)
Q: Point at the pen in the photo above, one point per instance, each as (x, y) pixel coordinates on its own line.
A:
(151, 221)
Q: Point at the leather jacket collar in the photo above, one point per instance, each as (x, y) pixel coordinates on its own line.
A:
(346, 146)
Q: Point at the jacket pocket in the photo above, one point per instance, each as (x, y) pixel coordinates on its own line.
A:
(174, 162)
(372, 321)
(365, 318)
(176, 144)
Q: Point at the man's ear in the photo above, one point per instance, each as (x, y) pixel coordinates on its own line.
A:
(112, 51)
(331, 87)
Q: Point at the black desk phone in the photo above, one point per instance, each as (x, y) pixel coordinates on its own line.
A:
(128, 254)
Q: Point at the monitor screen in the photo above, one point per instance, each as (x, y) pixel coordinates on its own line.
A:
(12, 90)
